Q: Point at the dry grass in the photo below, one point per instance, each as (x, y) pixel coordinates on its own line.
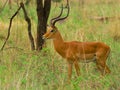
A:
(114, 30)
(22, 69)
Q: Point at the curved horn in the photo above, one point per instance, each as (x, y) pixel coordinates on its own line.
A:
(58, 19)
(51, 21)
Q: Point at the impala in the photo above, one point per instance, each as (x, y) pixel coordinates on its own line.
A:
(75, 52)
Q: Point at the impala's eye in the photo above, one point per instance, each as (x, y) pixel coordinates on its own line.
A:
(52, 31)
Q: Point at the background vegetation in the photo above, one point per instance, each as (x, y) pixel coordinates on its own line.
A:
(22, 69)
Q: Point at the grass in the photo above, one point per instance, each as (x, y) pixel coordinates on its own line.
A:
(22, 69)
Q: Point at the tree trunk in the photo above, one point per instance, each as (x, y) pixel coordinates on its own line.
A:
(43, 10)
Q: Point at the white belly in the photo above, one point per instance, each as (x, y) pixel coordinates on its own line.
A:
(86, 58)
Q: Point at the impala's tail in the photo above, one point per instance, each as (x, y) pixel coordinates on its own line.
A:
(109, 61)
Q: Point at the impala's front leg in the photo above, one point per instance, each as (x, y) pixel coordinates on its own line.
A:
(70, 64)
(76, 64)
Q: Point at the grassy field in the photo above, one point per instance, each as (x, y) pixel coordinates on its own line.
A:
(23, 69)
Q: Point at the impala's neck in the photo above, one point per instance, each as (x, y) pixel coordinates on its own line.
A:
(59, 44)
(58, 40)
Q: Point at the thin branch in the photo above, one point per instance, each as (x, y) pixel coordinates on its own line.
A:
(29, 26)
(10, 27)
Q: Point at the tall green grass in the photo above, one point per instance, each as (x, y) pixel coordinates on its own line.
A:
(22, 69)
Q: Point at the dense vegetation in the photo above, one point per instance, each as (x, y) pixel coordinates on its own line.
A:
(22, 69)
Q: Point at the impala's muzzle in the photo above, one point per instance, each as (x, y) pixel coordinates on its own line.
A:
(43, 37)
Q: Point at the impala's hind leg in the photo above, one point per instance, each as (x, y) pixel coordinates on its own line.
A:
(101, 64)
(101, 61)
